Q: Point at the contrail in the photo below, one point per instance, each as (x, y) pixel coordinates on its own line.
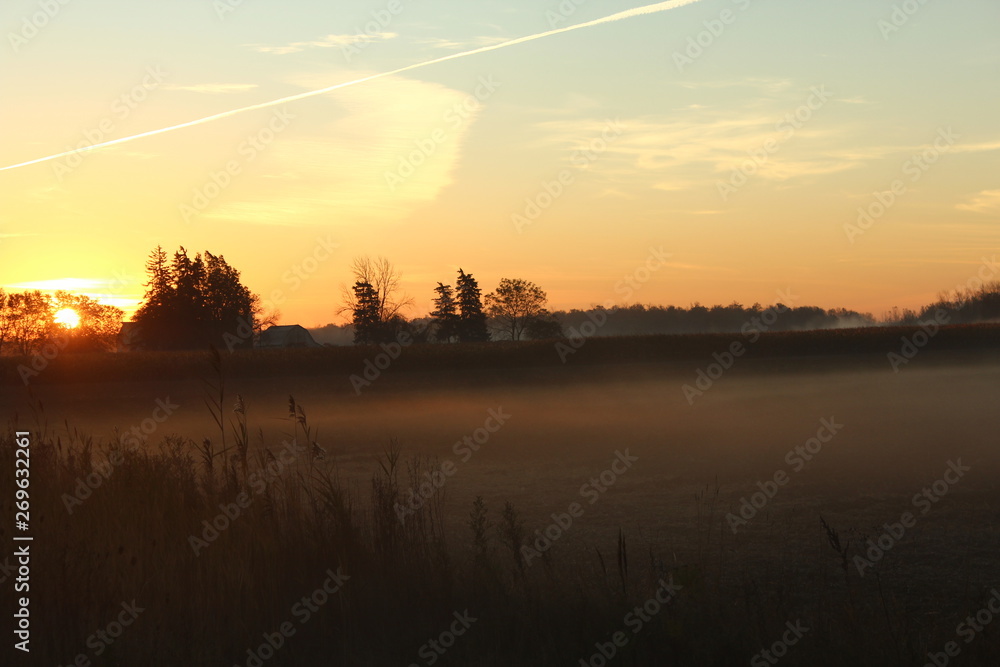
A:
(628, 13)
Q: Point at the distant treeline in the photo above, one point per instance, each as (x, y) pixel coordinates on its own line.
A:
(970, 306)
(960, 307)
(640, 319)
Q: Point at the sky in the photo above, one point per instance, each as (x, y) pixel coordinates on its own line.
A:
(842, 152)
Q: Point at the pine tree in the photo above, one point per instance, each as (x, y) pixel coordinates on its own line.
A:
(366, 313)
(191, 303)
(445, 314)
(471, 319)
(155, 314)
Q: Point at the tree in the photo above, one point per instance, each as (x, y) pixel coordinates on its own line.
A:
(28, 322)
(195, 302)
(6, 321)
(27, 318)
(471, 318)
(98, 326)
(544, 328)
(225, 301)
(514, 305)
(386, 301)
(366, 313)
(445, 314)
(262, 319)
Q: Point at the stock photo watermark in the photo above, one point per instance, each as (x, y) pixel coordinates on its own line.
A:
(248, 151)
(592, 490)
(714, 28)
(120, 109)
(34, 23)
(894, 532)
(303, 610)
(914, 167)
(752, 329)
(455, 117)
(464, 449)
(635, 620)
(796, 458)
(626, 289)
(901, 14)
(789, 124)
(551, 190)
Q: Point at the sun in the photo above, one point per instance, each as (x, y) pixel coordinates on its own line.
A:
(68, 317)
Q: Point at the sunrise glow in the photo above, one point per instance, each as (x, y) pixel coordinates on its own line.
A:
(67, 317)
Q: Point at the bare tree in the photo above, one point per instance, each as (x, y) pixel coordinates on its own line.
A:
(263, 318)
(384, 279)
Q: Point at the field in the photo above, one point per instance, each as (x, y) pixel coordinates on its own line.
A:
(807, 500)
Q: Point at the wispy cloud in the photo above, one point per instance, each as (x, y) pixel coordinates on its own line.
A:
(470, 43)
(693, 145)
(859, 99)
(328, 42)
(213, 88)
(764, 84)
(985, 202)
(340, 172)
(981, 147)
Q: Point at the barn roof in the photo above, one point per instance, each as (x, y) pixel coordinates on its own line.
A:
(287, 335)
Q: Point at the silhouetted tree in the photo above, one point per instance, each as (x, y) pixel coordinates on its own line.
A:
(99, 323)
(544, 327)
(26, 319)
(366, 313)
(27, 322)
(386, 299)
(471, 318)
(515, 304)
(194, 302)
(445, 314)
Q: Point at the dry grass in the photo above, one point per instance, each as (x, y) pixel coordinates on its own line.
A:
(130, 540)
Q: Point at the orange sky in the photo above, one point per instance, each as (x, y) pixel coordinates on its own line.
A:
(748, 163)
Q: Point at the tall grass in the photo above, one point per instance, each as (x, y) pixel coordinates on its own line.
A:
(130, 540)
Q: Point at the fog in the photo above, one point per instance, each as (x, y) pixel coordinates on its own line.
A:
(898, 432)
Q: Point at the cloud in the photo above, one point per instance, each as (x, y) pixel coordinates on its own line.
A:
(981, 147)
(328, 42)
(703, 143)
(986, 201)
(764, 84)
(338, 173)
(471, 43)
(694, 146)
(213, 87)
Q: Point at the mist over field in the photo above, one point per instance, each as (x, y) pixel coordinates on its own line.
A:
(897, 430)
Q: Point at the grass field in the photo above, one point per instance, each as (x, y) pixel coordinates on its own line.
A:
(634, 485)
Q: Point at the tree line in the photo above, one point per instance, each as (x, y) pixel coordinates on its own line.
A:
(28, 322)
(514, 311)
(192, 302)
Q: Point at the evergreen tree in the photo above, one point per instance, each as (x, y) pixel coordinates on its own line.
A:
(194, 302)
(366, 313)
(445, 314)
(471, 318)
